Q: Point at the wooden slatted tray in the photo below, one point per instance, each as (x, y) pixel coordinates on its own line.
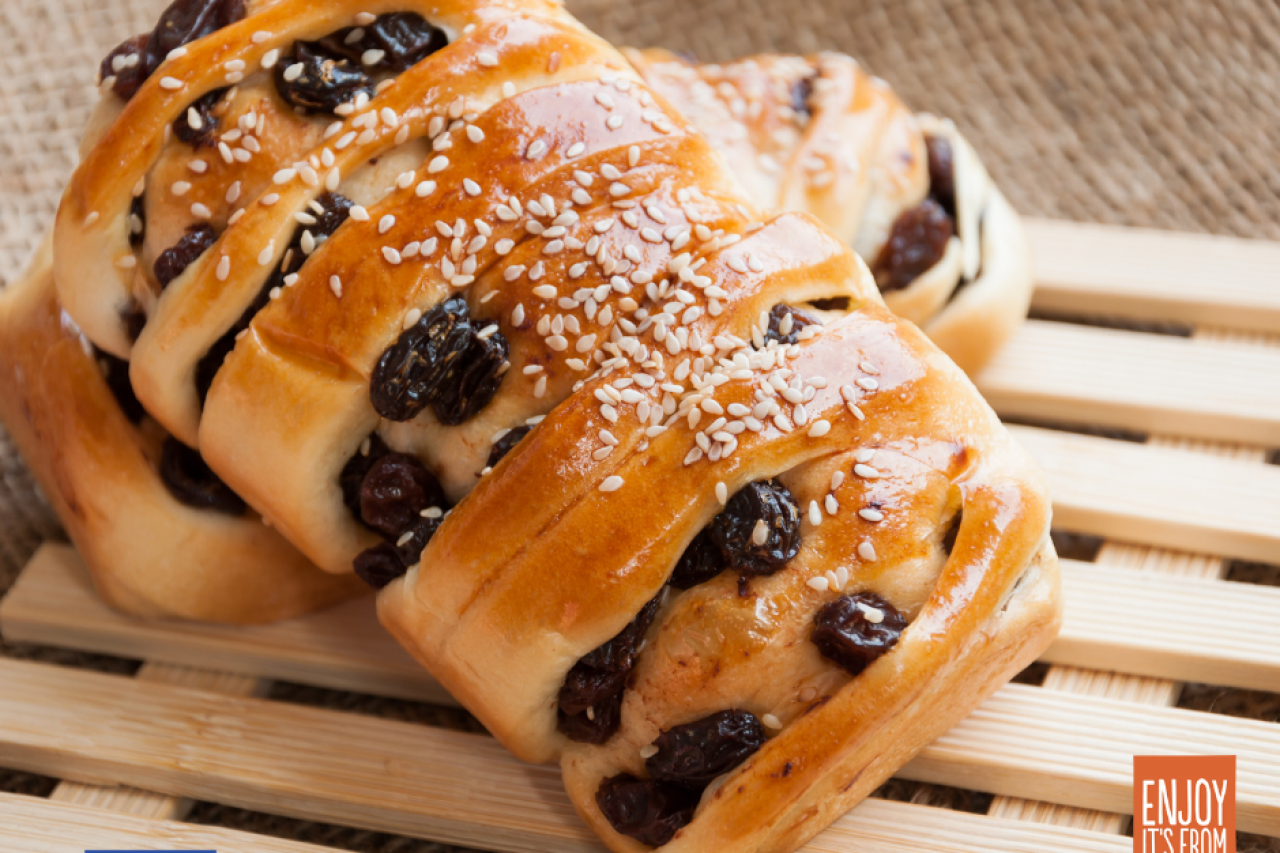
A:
(192, 724)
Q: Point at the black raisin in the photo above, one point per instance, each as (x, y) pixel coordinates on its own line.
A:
(202, 134)
(326, 82)
(503, 446)
(187, 20)
(648, 811)
(329, 210)
(441, 362)
(699, 563)
(182, 23)
(137, 220)
(396, 489)
(770, 507)
(802, 96)
(942, 175)
(174, 261)
(916, 242)
(778, 322)
(130, 64)
(601, 676)
(696, 753)
(386, 561)
(190, 481)
(379, 565)
(352, 476)
(845, 633)
(405, 39)
(116, 373)
(595, 724)
(473, 381)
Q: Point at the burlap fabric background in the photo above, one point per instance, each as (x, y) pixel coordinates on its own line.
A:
(1159, 113)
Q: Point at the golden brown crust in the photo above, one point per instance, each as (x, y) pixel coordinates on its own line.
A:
(586, 222)
(149, 554)
(857, 162)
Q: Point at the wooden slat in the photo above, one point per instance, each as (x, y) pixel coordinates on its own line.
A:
(53, 604)
(132, 801)
(1131, 272)
(404, 778)
(1141, 622)
(1151, 383)
(29, 825)
(1158, 494)
(344, 648)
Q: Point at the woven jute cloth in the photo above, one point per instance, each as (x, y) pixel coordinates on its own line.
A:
(1161, 113)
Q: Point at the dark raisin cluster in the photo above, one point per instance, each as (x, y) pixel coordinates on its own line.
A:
(845, 633)
(699, 563)
(204, 134)
(329, 210)
(190, 481)
(802, 96)
(388, 491)
(919, 236)
(334, 71)
(590, 700)
(777, 319)
(404, 38)
(643, 810)
(182, 23)
(174, 261)
(504, 445)
(734, 529)
(688, 759)
(441, 361)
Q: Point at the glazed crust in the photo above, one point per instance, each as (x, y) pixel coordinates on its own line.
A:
(856, 160)
(149, 554)
(623, 263)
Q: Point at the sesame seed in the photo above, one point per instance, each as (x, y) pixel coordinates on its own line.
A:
(364, 19)
(819, 583)
(414, 315)
(832, 506)
(611, 484)
(224, 268)
(871, 514)
(867, 551)
(868, 367)
(293, 72)
(508, 89)
(536, 149)
(386, 223)
(474, 133)
(865, 471)
(864, 454)
(868, 383)
(648, 751)
(722, 493)
(126, 262)
(264, 257)
(335, 284)
(487, 58)
(392, 256)
(171, 83)
(359, 213)
(613, 122)
(471, 187)
(815, 513)
(558, 343)
(545, 291)
(819, 429)
(760, 533)
(372, 56)
(270, 58)
(770, 721)
(438, 164)
(200, 211)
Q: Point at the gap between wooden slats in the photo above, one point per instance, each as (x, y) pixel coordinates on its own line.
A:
(1199, 388)
(345, 649)
(1143, 691)
(1155, 275)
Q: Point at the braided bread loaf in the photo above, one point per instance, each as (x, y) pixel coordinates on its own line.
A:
(472, 255)
(159, 533)
(908, 193)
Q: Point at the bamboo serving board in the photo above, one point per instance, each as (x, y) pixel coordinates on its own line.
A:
(1150, 612)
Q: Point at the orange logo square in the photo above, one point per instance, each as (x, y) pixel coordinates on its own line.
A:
(1184, 804)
